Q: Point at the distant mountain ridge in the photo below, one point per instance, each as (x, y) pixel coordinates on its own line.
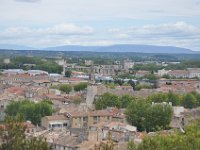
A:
(15, 47)
(123, 48)
(111, 48)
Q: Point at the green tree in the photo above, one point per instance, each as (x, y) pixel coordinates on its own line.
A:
(80, 87)
(136, 113)
(142, 86)
(151, 77)
(107, 100)
(173, 98)
(29, 110)
(166, 76)
(126, 100)
(197, 96)
(12, 135)
(65, 88)
(174, 141)
(49, 66)
(159, 117)
(148, 67)
(119, 81)
(157, 98)
(189, 101)
(131, 146)
(132, 83)
(148, 117)
(68, 73)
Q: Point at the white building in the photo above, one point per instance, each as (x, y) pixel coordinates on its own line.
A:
(162, 72)
(14, 71)
(37, 72)
(194, 72)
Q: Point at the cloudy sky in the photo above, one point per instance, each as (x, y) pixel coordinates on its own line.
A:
(44, 23)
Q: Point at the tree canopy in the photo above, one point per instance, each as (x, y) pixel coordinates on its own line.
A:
(80, 87)
(46, 65)
(29, 110)
(107, 100)
(112, 100)
(189, 100)
(65, 88)
(149, 117)
(68, 73)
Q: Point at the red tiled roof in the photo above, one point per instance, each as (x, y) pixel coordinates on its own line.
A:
(16, 90)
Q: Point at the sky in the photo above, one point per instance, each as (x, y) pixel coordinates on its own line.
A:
(46, 23)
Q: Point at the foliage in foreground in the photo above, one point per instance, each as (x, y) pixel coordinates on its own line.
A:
(174, 141)
(12, 135)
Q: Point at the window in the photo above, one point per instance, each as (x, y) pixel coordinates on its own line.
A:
(85, 124)
(85, 119)
(65, 124)
(108, 117)
(95, 119)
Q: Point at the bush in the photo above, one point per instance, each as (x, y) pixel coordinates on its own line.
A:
(65, 88)
(80, 87)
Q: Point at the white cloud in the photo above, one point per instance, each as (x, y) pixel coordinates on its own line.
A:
(175, 34)
(41, 37)
(180, 29)
(28, 1)
(57, 30)
(31, 22)
(69, 29)
(55, 11)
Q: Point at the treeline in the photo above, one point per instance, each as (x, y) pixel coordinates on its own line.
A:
(189, 140)
(189, 100)
(139, 112)
(148, 67)
(148, 114)
(155, 67)
(40, 64)
(112, 100)
(29, 110)
(184, 65)
(67, 88)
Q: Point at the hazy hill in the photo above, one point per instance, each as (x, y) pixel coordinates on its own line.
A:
(112, 48)
(15, 47)
(123, 48)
